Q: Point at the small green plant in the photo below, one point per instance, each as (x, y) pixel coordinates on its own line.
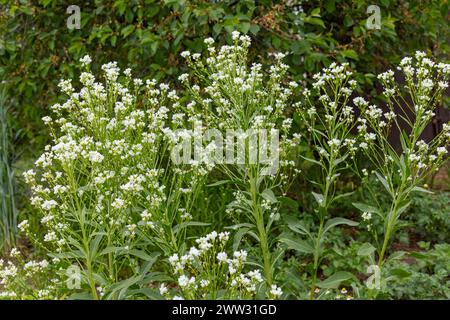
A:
(425, 275)
(428, 216)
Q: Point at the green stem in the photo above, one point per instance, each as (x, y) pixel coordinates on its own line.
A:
(387, 237)
(316, 261)
(263, 241)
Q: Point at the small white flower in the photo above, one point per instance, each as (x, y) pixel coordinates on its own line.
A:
(163, 289)
(95, 157)
(14, 252)
(204, 283)
(118, 203)
(441, 151)
(183, 281)
(209, 41)
(49, 204)
(23, 226)
(276, 291)
(183, 77)
(366, 216)
(222, 256)
(86, 60)
(185, 54)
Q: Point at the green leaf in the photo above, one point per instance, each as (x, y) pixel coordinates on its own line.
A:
(315, 12)
(335, 280)
(365, 207)
(254, 29)
(142, 255)
(420, 189)
(404, 205)
(419, 255)
(269, 196)
(343, 195)
(297, 226)
(315, 21)
(312, 161)
(297, 245)
(397, 255)
(330, 6)
(350, 53)
(319, 198)
(338, 221)
(245, 27)
(366, 250)
(384, 182)
(127, 30)
(400, 273)
(238, 237)
(218, 183)
(183, 225)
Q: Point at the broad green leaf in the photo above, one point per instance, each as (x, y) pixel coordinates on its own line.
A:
(338, 221)
(315, 12)
(335, 280)
(318, 197)
(127, 30)
(366, 249)
(397, 255)
(314, 21)
(400, 273)
(269, 196)
(238, 237)
(365, 207)
(298, 245)
(350, 53)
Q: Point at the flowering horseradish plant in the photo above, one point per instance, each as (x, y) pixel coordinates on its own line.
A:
(329, 120)
(105, 188)
(403, 171)
(231, 95)
(120, 195)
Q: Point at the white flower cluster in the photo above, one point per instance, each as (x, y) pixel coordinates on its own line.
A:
(109, 142)
(209, 266)
(238, 96)
(17, 278)
(331, 114)
(425, 82)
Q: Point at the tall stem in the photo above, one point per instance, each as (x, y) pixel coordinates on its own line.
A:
(316, 260)
(387, 235)
(262, 234)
